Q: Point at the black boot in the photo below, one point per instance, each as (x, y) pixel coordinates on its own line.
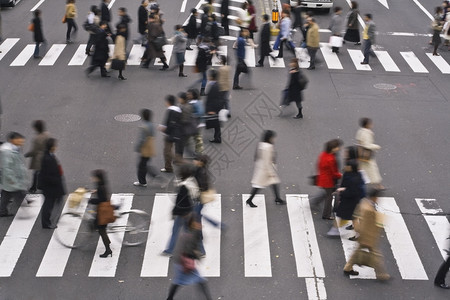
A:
(172, 290)
(108, 252)
(180, 73)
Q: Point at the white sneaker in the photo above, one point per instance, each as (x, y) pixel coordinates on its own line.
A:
(333, 232)
(137, 183)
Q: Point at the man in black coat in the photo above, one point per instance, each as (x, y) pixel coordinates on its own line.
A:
(192, 29)
(101, 52)
(171, 129)
(264, 41)
(224, 12)
(51, 183)
(142, 20)
(105, 14)
(37, 30)
(214, 103)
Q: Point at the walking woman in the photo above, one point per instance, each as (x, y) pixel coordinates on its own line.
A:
(265, 172)
(186, 254)
(37, 32)
(71, 14)
(101, 194)
(120, 49)
(352, 33)
(294, 90)
(437, 26)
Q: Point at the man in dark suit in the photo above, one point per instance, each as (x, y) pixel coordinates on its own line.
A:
(224, 12)
(171, 128)
(51, 183)
(101, 52)
(214, 103)
(142, 20)
(264, 41)
(105, 14)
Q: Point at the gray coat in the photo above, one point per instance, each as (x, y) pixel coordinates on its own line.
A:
(37, 151)
(14, 173)
(336, 24)
(371, 31)
(179, 42)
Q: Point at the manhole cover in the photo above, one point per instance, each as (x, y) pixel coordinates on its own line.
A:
(127, 118)
(384, 86)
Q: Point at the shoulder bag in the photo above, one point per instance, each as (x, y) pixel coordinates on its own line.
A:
(105, 213)
(31, 27)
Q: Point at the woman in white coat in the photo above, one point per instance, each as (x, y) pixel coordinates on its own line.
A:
(265, 172)
(365, 138)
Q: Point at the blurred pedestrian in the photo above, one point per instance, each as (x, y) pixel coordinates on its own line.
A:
(188, 125)
(336, 26)
(368, 38)
(51, 181)
(241, 66)
(179, 47)
(171, 130)
(145, 146)
(186, 254)
(203, 60)
(192, 29)
(38, 35)
(101, 51)
(193, 96)
(224, 80)
(155, 34)
(437, 26)
(214, 103)
(124, 20)
(120, 53)
(264, 41)
(70, 15)
(92, 25)
(328, 174)
(265, 172)
(105, 14)
(369, 225)
(225, 12)
(312, 41)
(352, 32)
(205, 23)
(142, 22)
(298, 20)
(285, 32)
(14, 179)
(294, 91)
(439, 280)
(187, 193)
(36, 153)
(100, 196)
(252, 28)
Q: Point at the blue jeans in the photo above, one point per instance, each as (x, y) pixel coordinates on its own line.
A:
(36, 49)
(367, 50)
(178, 222)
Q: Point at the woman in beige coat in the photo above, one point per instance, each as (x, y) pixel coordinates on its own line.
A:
(365, 138)
(120, 48)
(265, 172)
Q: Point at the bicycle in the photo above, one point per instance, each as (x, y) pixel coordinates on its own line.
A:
(76, 227)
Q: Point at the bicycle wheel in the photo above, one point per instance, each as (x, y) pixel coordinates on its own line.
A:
(73, 231)
(136, 229)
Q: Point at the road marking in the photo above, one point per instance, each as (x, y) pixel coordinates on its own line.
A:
(167, 53)
(423, 9)
(183, 6)
(316, 289)
(191, 56)
(304, 240)
(6, 46)
(136, 53)
(414, 62)
(250, 56)
(210, 265)
(438, 224)
(154, 264)
(256, 238)
(405, 253)
(102, 267)
(52, 55)
(330, 57)
(384, 3)
(37, 5)
(24, 56)
(222, 50)
(357, 57)
(387, 61)
(440, 62)
(111, 4)
(17, 235)
(79, 57)
(56, 256)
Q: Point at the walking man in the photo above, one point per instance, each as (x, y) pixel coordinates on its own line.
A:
(14, 173)
(37, 151)
(368, 38)
(225, 11)
(214, 103)
(241, 66)
(312, 41)
(264, 41)
(285, 29)
(101, 51)
(142, 20)
(171, 130)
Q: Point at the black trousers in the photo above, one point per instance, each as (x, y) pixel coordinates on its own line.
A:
(47, 209)
(275, 191)
(90, 42)
(144, 169)
(70, 24)
(225, 25)
(442, 272)
(7, 197)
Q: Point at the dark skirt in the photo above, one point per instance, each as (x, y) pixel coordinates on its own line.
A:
(352, 35)
(436, 40)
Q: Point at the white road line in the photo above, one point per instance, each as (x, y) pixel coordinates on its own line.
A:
(191, 56)
(306, 249)
(278, 62)
(330, 57)
(250, 56)
(17, 235)
(387, 61)
(256, 239)
(7, 45)
(405, 253)
(439, 225)
(315, 289)
(414, 62)
(102, 267)
(357, 57)
(423, 9)
(210, 265)
(37, 5)
(111, 4)
(167, 53)
(440, 62)
(134, 59)
(302, 57)
(24, 56)
(222, 50)
(183, 6)
(52, 55)
(79, 57)
(56, 256)
(154, 264)
(384, 3)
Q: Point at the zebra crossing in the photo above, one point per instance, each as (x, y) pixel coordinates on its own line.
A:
(423, 65)
(256, 245)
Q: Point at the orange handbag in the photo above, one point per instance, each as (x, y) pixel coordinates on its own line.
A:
(64, 20)
(105, 213)
(31, 27)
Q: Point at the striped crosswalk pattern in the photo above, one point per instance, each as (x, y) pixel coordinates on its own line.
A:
(257, 259)
(333, 61)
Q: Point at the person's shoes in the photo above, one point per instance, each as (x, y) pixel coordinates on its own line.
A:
(121, 77)
(259, 65)
(189, 48)
(298, 117)
(106, 254)
(69, 42)
(50, 227)
(280, 201)
(164, 170)
(144, 66)
(137, 183)
(165, 67)
(328, 218)
(237, 87)
(6, 215)
(333, 232)
(350, 227)
(215, 141)
(357, 44)
(364, 63)
(311, 68)
(351, 272)
(250, 203)
(182, 75)
(166, 253)
(442, 286)
(36, 57)
(105, 75)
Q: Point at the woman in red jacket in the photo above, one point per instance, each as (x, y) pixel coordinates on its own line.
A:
(328, 174)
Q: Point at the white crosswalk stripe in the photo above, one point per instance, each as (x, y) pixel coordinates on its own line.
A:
(331, 58)
(414, 62)
(440, 63)
(134, 59)
(387, 61)
(79, 57)
(52, 55)
(24, 56)
(357, 57)
(7, 45)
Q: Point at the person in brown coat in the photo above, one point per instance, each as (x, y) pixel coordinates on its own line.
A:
(120, 48)
(368, 225)
(36, 152)
(155, 31)
(312, 41)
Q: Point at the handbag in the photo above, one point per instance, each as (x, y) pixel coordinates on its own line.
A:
(117, 64)
(364, 154)
(207, 196)
(336, 41)
(31, 27)
(64, 19)
(105, 213)
(302, 81)
(187, 263)
(212, 121)
(242, 67)
(160, 41)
